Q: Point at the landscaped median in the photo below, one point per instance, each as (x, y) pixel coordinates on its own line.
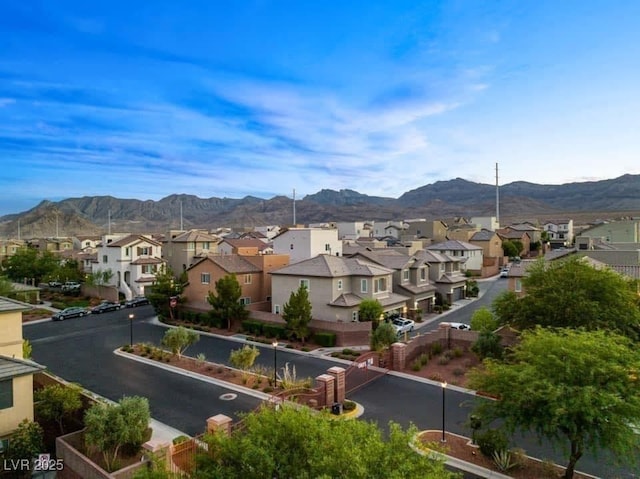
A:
(459, 452)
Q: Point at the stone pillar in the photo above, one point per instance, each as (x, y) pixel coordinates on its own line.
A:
(158, 450)
(325, 381)
(398, 356)
(219, 422)
(338, 374)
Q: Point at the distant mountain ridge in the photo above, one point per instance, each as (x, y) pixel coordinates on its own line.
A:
(457, 197)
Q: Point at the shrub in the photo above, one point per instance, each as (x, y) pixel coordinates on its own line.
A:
(305, 349)
(503, 460)
(274, 331)
(457, 352)
(126, 348)
(349, 352)
(488, 346)
(200, 359)
(436, 348)
(458, 372)
(252, 327)
(519, 457)
(180, 439)
(327, 340)
(436, 377)
(267, 389)
(416, 366)
(348, 405)
(443, 360)
(492, 440)
(424, 359)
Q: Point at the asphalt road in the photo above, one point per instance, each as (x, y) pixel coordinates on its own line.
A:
(81, 350)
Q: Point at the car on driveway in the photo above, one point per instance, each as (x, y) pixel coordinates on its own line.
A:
(135, 302)
(71, 286)
(105, 307)
(402, 325)
(72, 312)
(504, 272)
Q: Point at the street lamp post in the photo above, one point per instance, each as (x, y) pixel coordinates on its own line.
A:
(275, 361)
(131, 316)
(444, 387)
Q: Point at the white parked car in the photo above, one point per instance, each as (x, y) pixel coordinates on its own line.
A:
(463, 326)
(504, 272)
(402, 325)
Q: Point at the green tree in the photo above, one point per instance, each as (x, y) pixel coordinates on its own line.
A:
(57, 402)
(27, 349)
(30, 263)
(574, 294)
(163, 289)
(179, 339)
(383, 337)
(225, 302)
(244, 357)
(483, 319)
(99, 278)
(577, 389)
(26, 442)
(111, 427)
(297, 313)
(488, 345)
(509, 249)
(6, 288)
(299, 443)
(370, 310)
(67, 270)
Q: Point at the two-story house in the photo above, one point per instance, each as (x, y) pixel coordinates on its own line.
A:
(9, 247)
(436, 230)
(336, 286)
(134, 261)
(352, 230)
(470, 255)
(181, 249)
(305, 243)
(446, 274)
(627, 231)
(244, 247)
(16, 373)
(410, 275)
(559, 232)
(492, 253)
(508, 234)
(252, 273)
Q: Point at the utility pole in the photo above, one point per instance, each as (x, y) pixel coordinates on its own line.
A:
(497, 198)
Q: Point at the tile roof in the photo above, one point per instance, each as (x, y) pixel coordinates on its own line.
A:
(453, 245)
(483, 235)
(346, 300)
(195, 236)
(391, 259)
(12, 367)
(7, 305)
(246, 243)
(233, 263)
(333, 266)
(147, 261)
(132, 239)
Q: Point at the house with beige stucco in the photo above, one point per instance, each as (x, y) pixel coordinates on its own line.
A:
(16, 373)
(181, 249)
(305, 243)
(446, 274)
(336, 286)
(469, 255)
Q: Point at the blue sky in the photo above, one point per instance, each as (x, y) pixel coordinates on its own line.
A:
(144, 99)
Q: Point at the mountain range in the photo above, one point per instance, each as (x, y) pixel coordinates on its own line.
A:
(93, 215)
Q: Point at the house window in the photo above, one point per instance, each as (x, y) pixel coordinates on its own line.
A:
(127, 252)
(354, 316)
(205, 245)
(405, 275)
(247, 279)
(518, 285)
(191, 245)
(6, 394)
(148, 269)
(327, 247)
(305, 283)
(291, 246)
(379, 285)
(423, 274)
(276, 309)
(245, 301)
(145, 250)
(339, 285)
(105, 258)
(205, 278)
(363, 286)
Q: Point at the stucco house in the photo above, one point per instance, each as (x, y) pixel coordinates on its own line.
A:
(559, 232)
(627, 231)
(180, 249)
(244, 246)
(517, 235)
(336, 286)
(446, 274)
(133, 259)
(470, 255)
(416, 229)
(305, 243)
(252, 273)
(410, 276)
(16, 373)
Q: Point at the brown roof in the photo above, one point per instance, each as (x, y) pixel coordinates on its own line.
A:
(147, 261)
(333, 266)
(132, 239)
(231, 263)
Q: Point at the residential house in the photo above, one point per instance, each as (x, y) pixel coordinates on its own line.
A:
(627, 231)
(508, 234)
(462, 232)
(433, 230)
(470, 255)
(180, 249)
(336, 286)
(134, 260)
(535, 233)
(486, 222)
(492, 254)
(268, 231)
(9, 247)
(55, 245)
(446, 274)
(86, 243)
(382, 229)
(305, 243)
(353, 230)
(410, 275)
(559, 232)
(244, 247)
(252, 272)
(16, 373)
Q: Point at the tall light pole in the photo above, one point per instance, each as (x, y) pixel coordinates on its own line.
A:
(275, 362)
(131, 316)
(444, 388)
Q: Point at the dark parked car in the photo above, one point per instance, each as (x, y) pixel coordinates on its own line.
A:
(106, 306)
(73, 312)
(135, 302)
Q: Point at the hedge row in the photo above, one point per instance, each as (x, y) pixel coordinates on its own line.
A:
(258, 328)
